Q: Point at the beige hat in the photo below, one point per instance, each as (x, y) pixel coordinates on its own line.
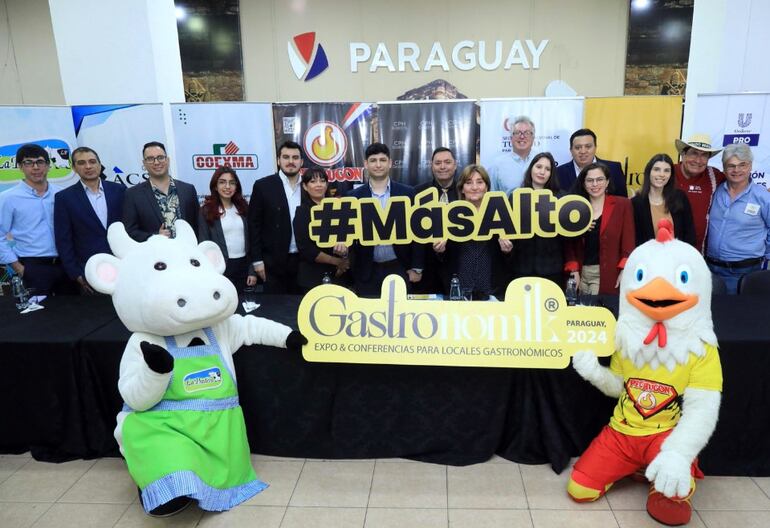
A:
(698, 142)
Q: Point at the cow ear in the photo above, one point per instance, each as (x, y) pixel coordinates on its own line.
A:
(214, 254)
(102, 272)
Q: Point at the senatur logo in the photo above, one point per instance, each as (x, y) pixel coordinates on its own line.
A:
(225, 155)
(307, 56)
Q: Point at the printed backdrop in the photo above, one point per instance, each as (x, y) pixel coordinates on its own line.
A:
(738, 118)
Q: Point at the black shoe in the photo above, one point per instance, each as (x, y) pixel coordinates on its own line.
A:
(172, 507)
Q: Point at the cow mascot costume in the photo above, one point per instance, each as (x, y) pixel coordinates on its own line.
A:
(181, 429)
(667, 378)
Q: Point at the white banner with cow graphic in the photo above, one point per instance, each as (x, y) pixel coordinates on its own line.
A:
(212, 135)
(47, 126)
(735, 119)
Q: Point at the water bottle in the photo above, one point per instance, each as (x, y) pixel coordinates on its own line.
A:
(327, 278)
(571, 292)
(20, 293)
(455, 292)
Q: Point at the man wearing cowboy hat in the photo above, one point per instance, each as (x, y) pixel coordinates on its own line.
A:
(697, 179)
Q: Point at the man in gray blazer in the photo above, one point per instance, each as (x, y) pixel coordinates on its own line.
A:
(152, 207)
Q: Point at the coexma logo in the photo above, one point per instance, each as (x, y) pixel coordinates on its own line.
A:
(307, 56)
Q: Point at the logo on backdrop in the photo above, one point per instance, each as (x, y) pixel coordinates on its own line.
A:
(307, 56)
(325, 143)
(743, 134)
(225, 155)
(743, 122)
(58, 150)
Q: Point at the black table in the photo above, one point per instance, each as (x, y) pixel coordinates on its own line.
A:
(61, 398)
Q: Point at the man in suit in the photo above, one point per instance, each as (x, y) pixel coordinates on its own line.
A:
(372, 264)
(152, 207)
(444, 167)
(274, 200)
(82, 213)
(582, 146)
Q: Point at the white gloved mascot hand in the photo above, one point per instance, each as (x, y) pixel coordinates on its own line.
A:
(670, 472)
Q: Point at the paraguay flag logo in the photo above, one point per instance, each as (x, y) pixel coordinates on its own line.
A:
(307, 56)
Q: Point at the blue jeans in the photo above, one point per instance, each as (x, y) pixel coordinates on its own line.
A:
(732, 276)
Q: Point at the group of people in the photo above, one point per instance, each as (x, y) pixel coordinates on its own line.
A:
(47, 234)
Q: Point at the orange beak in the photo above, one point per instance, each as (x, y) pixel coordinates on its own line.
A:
(660, 301)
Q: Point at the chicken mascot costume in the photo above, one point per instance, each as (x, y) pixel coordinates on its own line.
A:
(666, 375)
(181, 429)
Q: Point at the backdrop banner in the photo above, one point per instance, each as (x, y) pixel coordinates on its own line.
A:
(47, 126)
(333, 136)
(117, 133)
(633, 129)
(413, 130)
(212, 135)
(738, 118)
(555, 119)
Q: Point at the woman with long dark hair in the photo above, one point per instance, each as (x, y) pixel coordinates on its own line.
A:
(598, 257)
(659, 198)
(223, 220)
(315, 263)
(540, 256)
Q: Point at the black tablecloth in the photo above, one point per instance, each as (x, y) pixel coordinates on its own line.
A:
(60, 397)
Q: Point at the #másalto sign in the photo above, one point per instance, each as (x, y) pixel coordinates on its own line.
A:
(533, 328)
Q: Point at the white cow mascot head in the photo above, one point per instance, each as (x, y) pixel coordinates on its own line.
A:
(181, 429)
(667, 378)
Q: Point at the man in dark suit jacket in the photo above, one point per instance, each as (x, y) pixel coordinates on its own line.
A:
(82, 213)
(582, 146)
(274, 200)
(371, 264)
(152, 207)
(444, 167)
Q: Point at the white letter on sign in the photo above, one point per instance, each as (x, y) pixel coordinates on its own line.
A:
(381, 59)
(356, 57)
(411, 57)
(536, 52)
(436, 58)
(470, 58)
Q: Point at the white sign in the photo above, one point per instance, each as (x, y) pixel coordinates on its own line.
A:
(738, 119)
(465, 55)
(212, 135)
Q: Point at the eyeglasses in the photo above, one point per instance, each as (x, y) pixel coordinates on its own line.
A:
(83, 163)
(226, 183)
(35, 163)
(522, 133)
(740, 166)
(154, 159)
(591, 181)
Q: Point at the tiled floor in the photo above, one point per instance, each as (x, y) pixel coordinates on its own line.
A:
(363, 493)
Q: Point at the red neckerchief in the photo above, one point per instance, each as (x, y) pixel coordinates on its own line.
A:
(658, 330)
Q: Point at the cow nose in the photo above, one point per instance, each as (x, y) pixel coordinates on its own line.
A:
(181, 303)
(216, 296)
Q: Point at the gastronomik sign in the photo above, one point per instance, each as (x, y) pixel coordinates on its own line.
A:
(532, 328)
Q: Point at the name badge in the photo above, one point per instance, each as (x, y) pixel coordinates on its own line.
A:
(752, 209)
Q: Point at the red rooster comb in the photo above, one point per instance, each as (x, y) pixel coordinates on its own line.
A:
(665, 230)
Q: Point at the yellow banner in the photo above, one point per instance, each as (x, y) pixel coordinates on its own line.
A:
(534, 328)
(632, 129)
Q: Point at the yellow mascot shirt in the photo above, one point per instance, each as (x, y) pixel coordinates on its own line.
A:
(652, 398)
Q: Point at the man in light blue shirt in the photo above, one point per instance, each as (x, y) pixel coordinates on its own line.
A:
(506, 171)
(26, 213)
(738, 237)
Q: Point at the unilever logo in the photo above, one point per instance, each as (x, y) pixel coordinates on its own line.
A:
(307, 57)
(744, 120)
